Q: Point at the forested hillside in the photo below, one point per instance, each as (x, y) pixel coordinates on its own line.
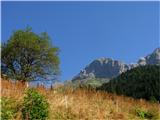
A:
(140, 82)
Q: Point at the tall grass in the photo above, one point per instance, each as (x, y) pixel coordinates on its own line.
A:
(68, 103)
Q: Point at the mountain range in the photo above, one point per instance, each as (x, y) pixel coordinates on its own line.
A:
(107, 68)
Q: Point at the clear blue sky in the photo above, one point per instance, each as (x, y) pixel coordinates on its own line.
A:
(85, 31)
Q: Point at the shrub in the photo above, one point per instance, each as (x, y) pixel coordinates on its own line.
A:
(147, 114)
(35, 106)
(8, 108)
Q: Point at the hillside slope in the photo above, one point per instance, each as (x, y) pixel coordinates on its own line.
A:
(140, 82)
(80, 104)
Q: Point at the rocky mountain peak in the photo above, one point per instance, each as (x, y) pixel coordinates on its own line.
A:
(102, 68)
(151, 59)
(109, 68)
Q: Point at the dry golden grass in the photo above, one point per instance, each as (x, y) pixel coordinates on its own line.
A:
(81, 104)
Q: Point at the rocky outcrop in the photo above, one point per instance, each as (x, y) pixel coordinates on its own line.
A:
(154, 58)
(103, 68)
(109, 68)
(142, 61)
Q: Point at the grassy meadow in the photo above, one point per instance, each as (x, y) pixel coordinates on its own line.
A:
(81, 104)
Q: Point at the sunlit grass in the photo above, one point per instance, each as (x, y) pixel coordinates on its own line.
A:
(68, 103)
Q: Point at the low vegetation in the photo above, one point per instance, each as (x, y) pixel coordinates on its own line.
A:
(10, 108)
(75, 104)
(93, 82)
(34, 105)
(146, 114)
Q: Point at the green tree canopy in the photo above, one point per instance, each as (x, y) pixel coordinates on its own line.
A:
(27, 55)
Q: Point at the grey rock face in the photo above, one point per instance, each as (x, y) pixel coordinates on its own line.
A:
(142, 61)
(102, 68)
(109, 68)
(153, 58)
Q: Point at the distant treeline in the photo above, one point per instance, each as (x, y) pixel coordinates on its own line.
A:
(140, 82)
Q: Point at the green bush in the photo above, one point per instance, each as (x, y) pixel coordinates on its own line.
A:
(35, 106)
(8, 108)
(147, 114)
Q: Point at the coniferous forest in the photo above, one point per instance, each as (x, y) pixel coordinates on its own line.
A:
(140, 82)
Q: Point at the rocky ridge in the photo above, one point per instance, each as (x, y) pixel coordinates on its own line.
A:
(109, 68)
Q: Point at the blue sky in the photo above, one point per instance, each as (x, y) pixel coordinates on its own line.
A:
(85, 31)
